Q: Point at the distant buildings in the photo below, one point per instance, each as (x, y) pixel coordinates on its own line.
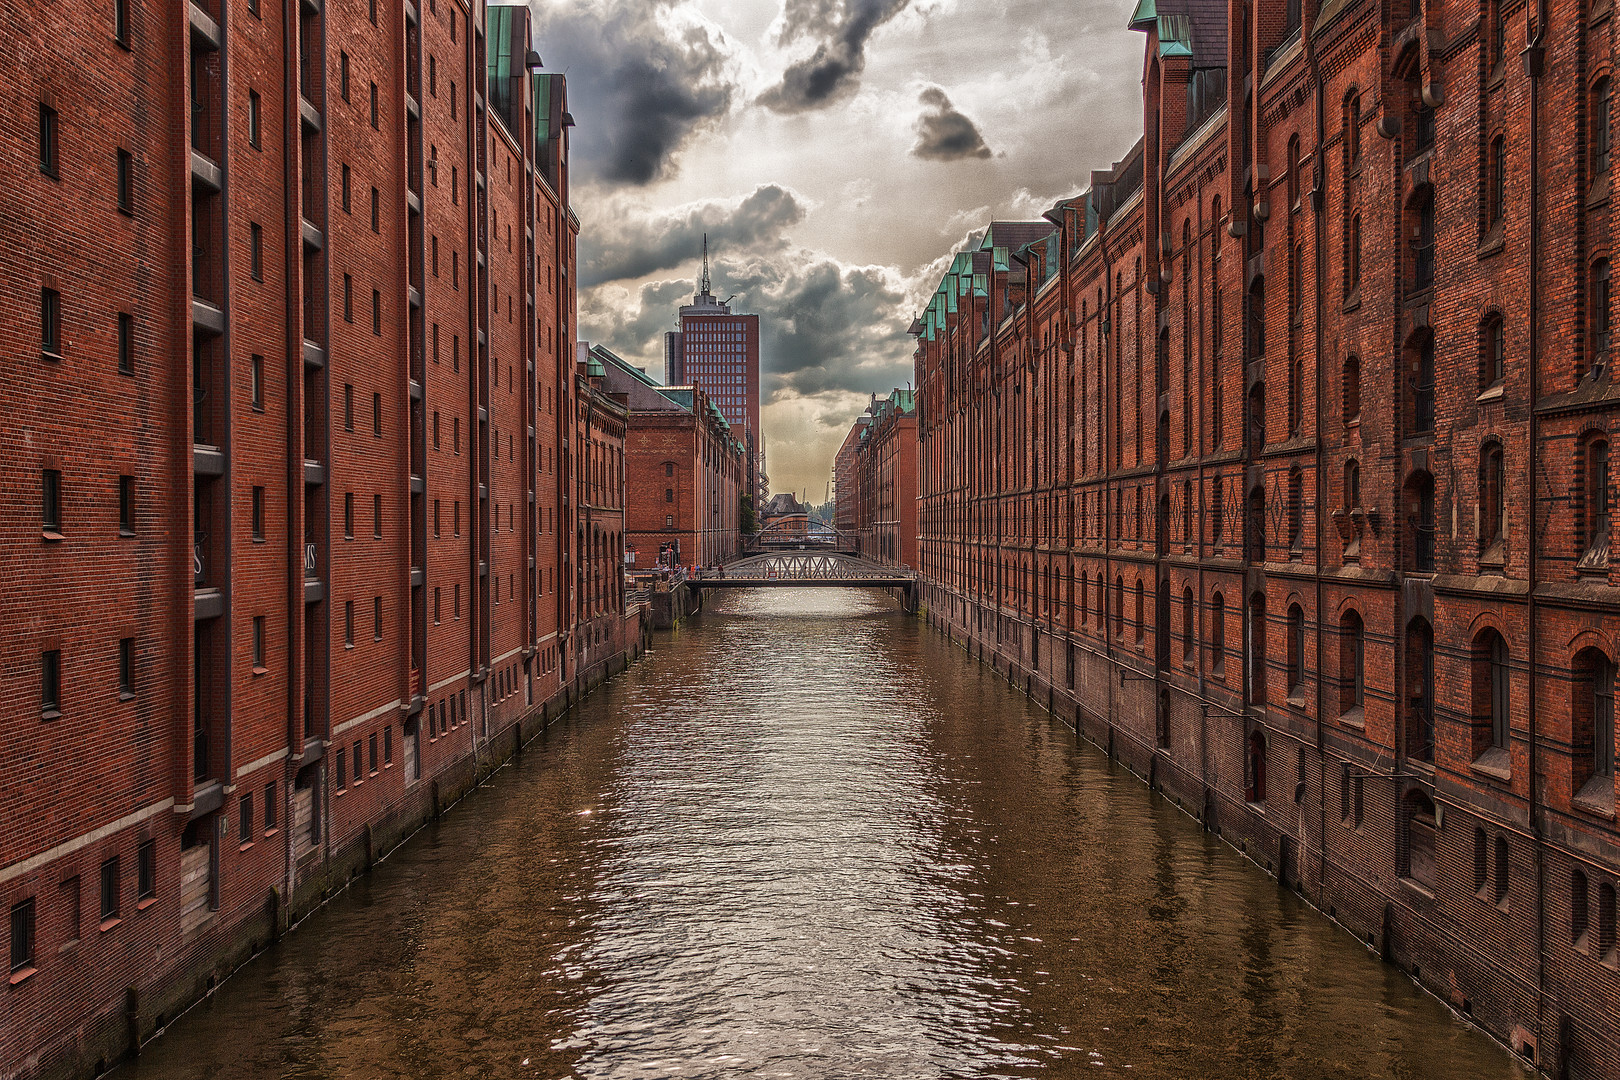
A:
(717, 351)
(876, 473)
(684, 470)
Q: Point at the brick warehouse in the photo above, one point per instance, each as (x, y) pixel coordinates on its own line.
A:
(684, 471)
(881, 488)
(1278, 461)
(344, 226)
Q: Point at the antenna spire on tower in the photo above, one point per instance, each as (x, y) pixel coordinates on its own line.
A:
(705, 287)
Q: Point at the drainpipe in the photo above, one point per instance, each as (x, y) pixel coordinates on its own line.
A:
(1535, 58)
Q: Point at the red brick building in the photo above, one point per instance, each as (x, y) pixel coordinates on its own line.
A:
(1278, 460)
(846, 479)
(684, 470)
(601, 625)
(885, 468)
(293, 284)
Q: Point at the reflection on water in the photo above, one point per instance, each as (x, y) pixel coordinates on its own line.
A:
(805, 838)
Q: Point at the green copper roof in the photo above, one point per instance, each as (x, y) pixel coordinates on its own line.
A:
(998, 259)
(1142, 18)
(1175, 35)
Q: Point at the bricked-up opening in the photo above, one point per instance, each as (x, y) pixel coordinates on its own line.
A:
(1254, 345)
(1217, 511)
(1352, 665)
(1296, 655)
(1217, 636)
(1418, 506)
(1491, 726)
(1162, 721)
(1351, 122)
(1418, 828)
(1352, 260)
(1419, 697)
(1161, 626)
(1606, 922)
(1254, 772)
(1119, 606)
(1350, 390)
(1482, 847)
(1592, 728)
(1254, 650)
(1296, 512)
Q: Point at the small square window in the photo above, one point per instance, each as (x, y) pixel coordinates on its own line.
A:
(51, 500)
(126, 343)
(253, 119)
(256, 251)
(256, 377)
(269, 806)
(50, 684)
(126, 182)
(146, 870)
(109, 889)
(126, 505)
(50, 322)
(258, 514)
(48, 125)
(22, 935)
(126, 667)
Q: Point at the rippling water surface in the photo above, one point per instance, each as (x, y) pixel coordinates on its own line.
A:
(807, 838)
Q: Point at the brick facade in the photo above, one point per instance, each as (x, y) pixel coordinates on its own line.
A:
(882, 446)
(1278, 461)
(290, 293)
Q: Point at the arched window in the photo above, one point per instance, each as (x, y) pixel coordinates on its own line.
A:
(1418, 828)
(1419, 356)
(1352, 484)
(1491, 688)
(1141, 613)
(1492, 480)
(1492, 351)
(1293, 163)
(1352, 663)
(1254, 526)
(1423, 238)
(1594, 535)
(1419, 507)
(1598, 314)
(1296, 511)
(1254, 630)
(1189, 627)
(1592, 726)
(1255, 346)
(1482, 852)
(1217, 636)
(1296, 651)
(1254, 788)
(1496, 183)
(1499, 889)
(1352, 257)
(1352, 129)
(1579, 913)
(1257, 417)
(1119, 605)
(1420, 690)
(1598, 141)
(1352, 388)
(1102, 606)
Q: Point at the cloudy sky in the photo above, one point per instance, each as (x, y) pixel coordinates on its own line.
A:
(836, 152)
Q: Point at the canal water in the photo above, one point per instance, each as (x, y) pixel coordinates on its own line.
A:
(808, 838)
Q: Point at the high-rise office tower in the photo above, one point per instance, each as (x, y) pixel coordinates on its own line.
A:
(717, 351)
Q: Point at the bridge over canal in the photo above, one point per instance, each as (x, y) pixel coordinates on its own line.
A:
(807, 569)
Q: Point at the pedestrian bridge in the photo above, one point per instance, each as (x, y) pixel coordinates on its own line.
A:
(804, 569)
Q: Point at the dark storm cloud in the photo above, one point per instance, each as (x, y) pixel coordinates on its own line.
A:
(823, 327)
(841, 29)
(623, 249)
(639, 88)
(943, 133)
